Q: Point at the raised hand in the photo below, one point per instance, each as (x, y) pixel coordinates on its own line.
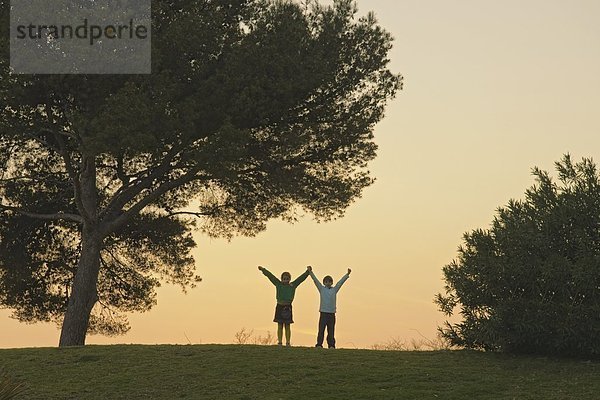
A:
(260, 268)
(349, 270)
(309, 268)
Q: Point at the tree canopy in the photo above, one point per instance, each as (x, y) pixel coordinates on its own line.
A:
(254, 110)
(531, 282)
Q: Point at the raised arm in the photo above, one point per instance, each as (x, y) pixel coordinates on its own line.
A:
(318, 284)
(301, 278)
(338, 285)
(269, 275)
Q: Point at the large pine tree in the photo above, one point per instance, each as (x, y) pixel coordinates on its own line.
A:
(254, 110)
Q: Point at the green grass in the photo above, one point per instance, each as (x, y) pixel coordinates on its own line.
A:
(259, 372)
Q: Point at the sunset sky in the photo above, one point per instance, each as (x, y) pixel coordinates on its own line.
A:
(491, 89)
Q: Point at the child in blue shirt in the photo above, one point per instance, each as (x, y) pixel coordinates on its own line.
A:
(327, 307)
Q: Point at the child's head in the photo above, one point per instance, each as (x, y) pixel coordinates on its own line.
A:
(328, 281)
(286, 277)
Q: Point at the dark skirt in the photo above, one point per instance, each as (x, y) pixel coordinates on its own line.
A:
(283, 314)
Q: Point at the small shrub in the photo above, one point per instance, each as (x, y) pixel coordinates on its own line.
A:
(266, 340)
(244, 336)
(393, 344)
(422, 344)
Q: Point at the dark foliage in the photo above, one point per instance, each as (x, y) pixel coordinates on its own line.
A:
(531, 283)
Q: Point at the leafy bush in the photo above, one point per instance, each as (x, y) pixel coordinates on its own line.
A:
(531, 282)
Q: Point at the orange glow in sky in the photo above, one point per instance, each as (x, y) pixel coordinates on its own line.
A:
(491, 89)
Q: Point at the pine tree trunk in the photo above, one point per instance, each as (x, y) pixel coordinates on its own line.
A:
(83, 292)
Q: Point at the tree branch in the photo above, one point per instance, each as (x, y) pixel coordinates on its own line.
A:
(125, 194)
(121, 171)
(195, 214)
(55, 216)
(122, 219)
(72, 175)
(89, 192)
(67, 134)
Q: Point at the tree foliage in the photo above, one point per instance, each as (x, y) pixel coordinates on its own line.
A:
(254, 110)
(531, 282)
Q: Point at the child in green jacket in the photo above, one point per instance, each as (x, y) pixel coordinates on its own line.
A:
(285, 295)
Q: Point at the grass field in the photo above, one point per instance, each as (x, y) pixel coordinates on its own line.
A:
(268, 372)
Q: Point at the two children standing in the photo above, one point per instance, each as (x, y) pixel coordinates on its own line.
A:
(285, 291)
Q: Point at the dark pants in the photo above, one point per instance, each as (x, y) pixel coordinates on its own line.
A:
(326, 320)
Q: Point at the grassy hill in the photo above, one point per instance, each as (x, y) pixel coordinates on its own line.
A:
(260, 372)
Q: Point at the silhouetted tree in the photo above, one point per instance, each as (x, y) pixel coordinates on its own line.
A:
(254, 110)
(531, 282)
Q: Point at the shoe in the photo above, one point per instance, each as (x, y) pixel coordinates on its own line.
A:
(279, 344)
(332, 347)
(318, 346)
(288, 345)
